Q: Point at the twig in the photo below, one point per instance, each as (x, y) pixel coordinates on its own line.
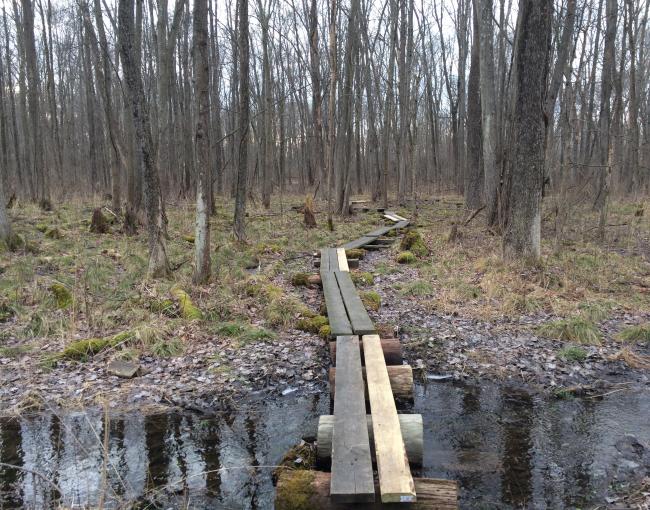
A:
(473, 215)
(177, 266)
(35, 473)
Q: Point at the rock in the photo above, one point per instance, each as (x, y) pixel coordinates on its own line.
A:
(124, 369)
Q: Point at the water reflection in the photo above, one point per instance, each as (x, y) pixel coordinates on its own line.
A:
(505, 448)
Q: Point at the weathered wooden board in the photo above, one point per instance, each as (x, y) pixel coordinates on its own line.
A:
(352, 475)
(380, 231)
(402, 224)
(395, 480)
(361, 323)
(392, 351)
(298, 489)
(336, 313)
(411, 426)
(358, 243)
(342, 259)
(324, 260)
(400, 376)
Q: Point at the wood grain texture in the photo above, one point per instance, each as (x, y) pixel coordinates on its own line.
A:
(336, 313)
(361, 323)
(395, 480)
(411, 426)
(352, 475)
(342, 260)
(400, 377)
(392, 351)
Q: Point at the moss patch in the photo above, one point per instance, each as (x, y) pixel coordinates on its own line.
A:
(405, 257)
(414, 243)
(572, 353)
(313, 324)
(362, 278)
(295, 492)
(186, 308)
(371, 300)
(62, 296)
(300, 279)
(355, 253)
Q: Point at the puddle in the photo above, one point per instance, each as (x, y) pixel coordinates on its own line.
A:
(505, 448)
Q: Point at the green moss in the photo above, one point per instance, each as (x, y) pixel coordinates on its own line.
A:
(189, 238)
(574, 329)
(42, 227)
(62, 296)
(355, 253)
(572, 353)
(54, 233)
(186, 308)
(313, 324)
(371, 300)
(300, 279)
(82, 349)
(639, 334)
(413, 242)
(325, 331)
(405, 257)
(295, 492)
(362, 278)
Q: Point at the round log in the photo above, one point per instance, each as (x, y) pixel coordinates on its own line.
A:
(391, 346)
(401, 381)
(300, 489)
(410, 425)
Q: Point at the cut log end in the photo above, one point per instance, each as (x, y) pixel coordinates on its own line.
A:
(400, 376)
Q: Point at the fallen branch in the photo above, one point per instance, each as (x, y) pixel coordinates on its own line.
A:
(473, 215)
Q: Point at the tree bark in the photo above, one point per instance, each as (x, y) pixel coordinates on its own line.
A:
(158, 265)
(523, 229)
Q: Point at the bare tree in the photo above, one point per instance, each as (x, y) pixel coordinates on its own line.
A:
(201, 83)
(158, 265)
(243, 124)
(522, 238)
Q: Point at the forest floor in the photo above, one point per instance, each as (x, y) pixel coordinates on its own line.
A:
(72, 301)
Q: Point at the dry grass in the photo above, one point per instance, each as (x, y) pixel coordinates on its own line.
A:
(79, 285)
(577, 276)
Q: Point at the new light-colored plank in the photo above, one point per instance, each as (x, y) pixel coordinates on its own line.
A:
(352, 476)
(343, 260)
(395, 480)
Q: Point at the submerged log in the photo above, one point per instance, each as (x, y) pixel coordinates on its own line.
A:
(400, 376)
(391, 347)
(301, 489)
(410, 425)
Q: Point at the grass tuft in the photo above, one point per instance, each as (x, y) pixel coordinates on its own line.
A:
(371, 300)
(405, 257)
(574, 329)
(640, 333)
(572, 353)
(420, 288)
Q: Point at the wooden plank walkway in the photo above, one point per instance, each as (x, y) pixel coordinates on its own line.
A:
(352, 475)
(361, 323)
(395, 480)
(355, 438)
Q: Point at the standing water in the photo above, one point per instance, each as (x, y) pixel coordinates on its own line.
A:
(506, 448)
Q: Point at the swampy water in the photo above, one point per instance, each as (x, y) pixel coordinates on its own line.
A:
(506, 448)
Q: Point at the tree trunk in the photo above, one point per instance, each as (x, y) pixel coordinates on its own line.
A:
(243, 124)
(158, 265)
(202, 98)
(522, 235)
(474, 171)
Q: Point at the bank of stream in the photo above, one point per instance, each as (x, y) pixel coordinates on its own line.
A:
(506, 447)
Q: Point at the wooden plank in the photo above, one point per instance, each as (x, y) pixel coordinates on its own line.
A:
(358, 243)
(359, 319)
(352, 475)
(395, 480)
(342, 259)
(324, 261)
(393, 216)
(380, 231)
(336, 314)
(402, 224)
